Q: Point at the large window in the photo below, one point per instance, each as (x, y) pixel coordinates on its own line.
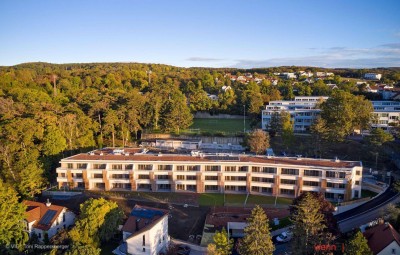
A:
(290, 171)
(164, 167)
(191, 177)
(266, 190)
(212, 168)
(243, 168)
(180, 177)
(117, 166)
(144, 176)
(145, 167)
(310, 183)
(312, 173)
(287, 191)
(163, 177)
(230, 169)
(270, 170)
(99, 166)
(211, 187)
(285, 181)
(192, 168)
(180, 168)
(230, 188)
(81, 166)
(211, 178)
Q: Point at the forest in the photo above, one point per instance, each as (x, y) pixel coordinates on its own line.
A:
(49, 111)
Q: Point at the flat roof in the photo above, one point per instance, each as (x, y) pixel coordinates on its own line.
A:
(130, 155)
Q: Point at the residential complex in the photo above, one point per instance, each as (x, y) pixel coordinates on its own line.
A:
(387, 113)
(302, 110)
(145, 232)
(130, 169)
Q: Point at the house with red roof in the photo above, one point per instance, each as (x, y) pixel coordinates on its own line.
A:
(46, 219)
(145, 232)
(383, 239)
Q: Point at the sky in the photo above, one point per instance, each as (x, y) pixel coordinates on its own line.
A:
(206, 33)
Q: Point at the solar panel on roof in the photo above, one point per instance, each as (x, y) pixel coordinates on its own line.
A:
(47, 217)
(145, 213)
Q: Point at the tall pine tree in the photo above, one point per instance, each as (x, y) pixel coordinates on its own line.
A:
(257, 239)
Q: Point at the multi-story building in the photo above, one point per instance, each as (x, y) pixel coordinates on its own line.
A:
(302, 111)
(109, 169)
(372, 76)
(386, 113)
(144, 232)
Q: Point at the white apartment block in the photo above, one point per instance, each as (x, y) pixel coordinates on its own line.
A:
(280, 176)
(372, 76)
(302, 111)
(386, 113)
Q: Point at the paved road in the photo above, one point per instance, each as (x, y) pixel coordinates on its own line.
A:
(366, 212)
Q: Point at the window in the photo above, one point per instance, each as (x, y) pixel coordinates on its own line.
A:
(270, 170)
(81, 166)
(70, 166)
(211, 178)
(285, 181)
(144, 249)
(255, 169)
(145, 167)
(230, 169)
(40, 235)
(255, 179)
(180, 168)
(243, 168)
(212, 168)
(357, 182)
(144, 176)
(191, 187)
(164, 167)
(99, 166)
(163, 177)
(242, 188)
(211, 187)
(97, 175)
(230, 187)
(255, 189)
(312, 173)
(117, 167)
(63, 217)
(180, 177)
(191, 177)
(358, 172)
(180, 187)
(287, 191)
(290, 171)
(310, 183)
(192, 168)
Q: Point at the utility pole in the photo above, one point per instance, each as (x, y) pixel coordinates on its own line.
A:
(244, 119)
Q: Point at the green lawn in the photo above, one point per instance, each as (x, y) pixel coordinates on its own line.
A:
(220, 125)
(260, 200)
(367, 193)
(235, 199)
(211, 199)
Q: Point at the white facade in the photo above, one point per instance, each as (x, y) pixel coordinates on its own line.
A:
(64, 220)
(392, 249)
(149, 242)
(372, 76)
(302, 111)
(386, 113)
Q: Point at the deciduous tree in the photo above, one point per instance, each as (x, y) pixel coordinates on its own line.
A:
(358, 245)
(258, 141)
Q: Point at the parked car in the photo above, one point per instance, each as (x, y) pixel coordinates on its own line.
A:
(183, 250)
(284, 237)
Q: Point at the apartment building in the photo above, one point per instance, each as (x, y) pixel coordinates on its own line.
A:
(386, 113)
(109, 169)
(372, 76)
(302, 110)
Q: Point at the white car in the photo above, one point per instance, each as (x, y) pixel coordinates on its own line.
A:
(284, 237)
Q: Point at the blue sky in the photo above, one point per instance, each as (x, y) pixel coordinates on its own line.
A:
(212, 33)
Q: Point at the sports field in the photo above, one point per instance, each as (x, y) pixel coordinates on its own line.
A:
(220, 125)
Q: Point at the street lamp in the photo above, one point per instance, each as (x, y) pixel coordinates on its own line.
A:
(244, 118)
